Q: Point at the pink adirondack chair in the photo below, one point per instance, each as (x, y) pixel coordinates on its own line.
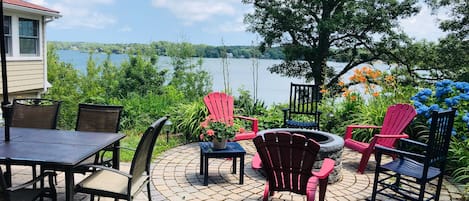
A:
(397, 118)
(289, 160)
(221, 106)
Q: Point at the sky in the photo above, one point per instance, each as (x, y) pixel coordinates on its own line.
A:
(212, 22)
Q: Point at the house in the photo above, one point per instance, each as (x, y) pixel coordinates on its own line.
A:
(26, 47)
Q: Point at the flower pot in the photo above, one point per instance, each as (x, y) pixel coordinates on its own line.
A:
(219, 144)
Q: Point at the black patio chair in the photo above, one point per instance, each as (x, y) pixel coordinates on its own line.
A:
(99, 118)
(23, 193)
(108, 182)
(35, 113)
(416, 164)
(302, 111)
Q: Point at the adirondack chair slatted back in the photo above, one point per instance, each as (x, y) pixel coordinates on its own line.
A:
(397, 118)
(439, 138)
(142, 156)
(304, 98)
(220, 106)
(290, 160)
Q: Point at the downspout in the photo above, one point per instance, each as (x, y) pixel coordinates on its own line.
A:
(46, 83)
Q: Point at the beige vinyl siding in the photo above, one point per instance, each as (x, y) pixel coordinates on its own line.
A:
(25, 76)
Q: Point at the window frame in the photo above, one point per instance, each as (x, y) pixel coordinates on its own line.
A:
(8, 36)
(35, 36)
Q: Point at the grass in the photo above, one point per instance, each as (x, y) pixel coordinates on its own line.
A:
(130, 142)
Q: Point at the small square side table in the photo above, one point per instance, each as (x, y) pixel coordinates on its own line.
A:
(233, 150)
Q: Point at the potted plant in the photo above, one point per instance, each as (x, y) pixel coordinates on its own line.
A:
(218, 132)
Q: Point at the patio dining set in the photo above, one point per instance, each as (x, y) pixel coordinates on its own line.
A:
(35, 141)
(291, 159)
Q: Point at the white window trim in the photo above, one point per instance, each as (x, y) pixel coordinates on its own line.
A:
(15, 40)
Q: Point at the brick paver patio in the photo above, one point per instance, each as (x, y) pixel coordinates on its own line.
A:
(175, 176)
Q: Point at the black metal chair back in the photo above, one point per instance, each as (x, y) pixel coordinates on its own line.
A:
(142, 158)
(303, 111)
(35, 113)
(417, 163)
(98, 118)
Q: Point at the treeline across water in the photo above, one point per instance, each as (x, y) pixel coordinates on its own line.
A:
(160, 48)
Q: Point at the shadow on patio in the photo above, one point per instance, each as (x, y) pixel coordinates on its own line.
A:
(175, 176)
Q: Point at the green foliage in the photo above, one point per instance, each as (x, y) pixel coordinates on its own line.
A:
(186, 117)
(188, 77)
(429, 61)
(272, 117)
(139, 76)
(308, 29)
(65, 87)
(160, 48)
(244, 104)
(212, 129)
(459, 163)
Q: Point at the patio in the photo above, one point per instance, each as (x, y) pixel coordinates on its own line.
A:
(175, 176)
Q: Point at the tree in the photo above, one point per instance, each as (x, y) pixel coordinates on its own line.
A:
(449, 57)
(188, 76)
(458, 21)
(365, 30)
(140, 76)
(64, 79)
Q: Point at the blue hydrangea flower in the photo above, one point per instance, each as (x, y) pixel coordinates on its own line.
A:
(464, 96)
(462, 86)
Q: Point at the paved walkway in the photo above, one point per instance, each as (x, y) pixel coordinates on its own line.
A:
(175, 176)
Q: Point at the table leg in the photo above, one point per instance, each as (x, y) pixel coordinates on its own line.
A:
(69, 182)
(234, 166)
(8, 173)
(205, 171)
(116, 155)
(201, 171)
(241, 170)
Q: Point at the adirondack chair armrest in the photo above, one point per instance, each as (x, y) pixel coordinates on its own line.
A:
(326, 168)
(350, 128)
(379, 150)
(246, 118)
(392, 136)
(255, 122)
(33, 181)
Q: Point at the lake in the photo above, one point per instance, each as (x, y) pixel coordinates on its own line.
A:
(272, 88)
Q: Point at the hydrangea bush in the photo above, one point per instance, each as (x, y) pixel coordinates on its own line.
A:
(446, 94)
(449, 94)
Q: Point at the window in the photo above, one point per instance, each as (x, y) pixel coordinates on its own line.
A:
(7, 32)
(29, 36)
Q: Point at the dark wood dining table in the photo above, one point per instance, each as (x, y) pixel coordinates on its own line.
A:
(58, 149)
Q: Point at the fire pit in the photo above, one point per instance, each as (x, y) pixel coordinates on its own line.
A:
(331, 147)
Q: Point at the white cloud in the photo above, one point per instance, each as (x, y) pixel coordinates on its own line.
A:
(80, 14)
(423, 25)
(192, 11)
(236, 25)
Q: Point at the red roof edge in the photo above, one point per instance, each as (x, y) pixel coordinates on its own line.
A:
(29, 5)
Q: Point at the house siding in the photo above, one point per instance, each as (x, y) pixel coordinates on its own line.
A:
(25, 76)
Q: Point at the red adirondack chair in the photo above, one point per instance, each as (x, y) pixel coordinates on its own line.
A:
(397, 118)
(221, 106)
(288, 163)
